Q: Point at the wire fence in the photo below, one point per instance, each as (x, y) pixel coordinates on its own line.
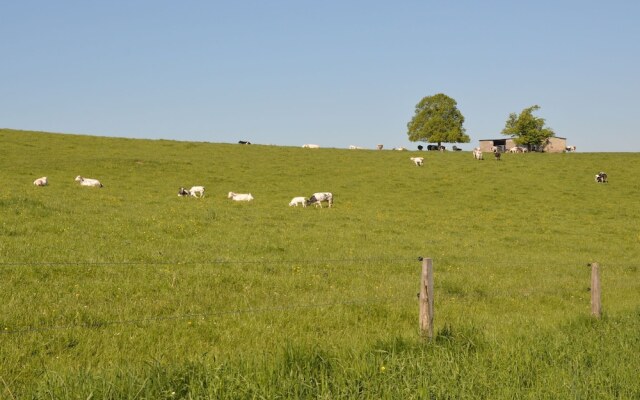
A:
(444, 265)
(99, 324)
(148, 320)
(360, 261)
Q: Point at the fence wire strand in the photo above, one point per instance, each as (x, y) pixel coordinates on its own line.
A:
(153, 319)
(317, 261)
(211, 262)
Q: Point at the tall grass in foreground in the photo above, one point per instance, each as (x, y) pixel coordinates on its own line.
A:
(584, 359)
(132, 292)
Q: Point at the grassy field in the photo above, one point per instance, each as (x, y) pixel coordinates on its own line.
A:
(130, 291)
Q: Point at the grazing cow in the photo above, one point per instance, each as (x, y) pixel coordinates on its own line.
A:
(352, 147)
(88, 182)
(399, 148)
(456, 148)
(298, 200)
(310, 146)
(243, 142)
(197, 191)
(418, 161)
(477, 154)
(183, 192)
(41, 181)
(240, 196)
(435, 147)
(318, 198)
(601, 177)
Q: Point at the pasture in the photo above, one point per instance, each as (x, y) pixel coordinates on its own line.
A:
(129, 291)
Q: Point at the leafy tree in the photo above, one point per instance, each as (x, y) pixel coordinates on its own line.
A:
(527, 129)
(437, 119)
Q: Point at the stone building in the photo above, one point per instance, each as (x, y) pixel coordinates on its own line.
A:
(554, 144)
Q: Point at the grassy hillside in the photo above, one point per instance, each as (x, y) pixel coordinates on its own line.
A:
(132, 292)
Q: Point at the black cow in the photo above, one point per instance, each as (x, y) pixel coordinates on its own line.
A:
(601, 177)
(243, 142)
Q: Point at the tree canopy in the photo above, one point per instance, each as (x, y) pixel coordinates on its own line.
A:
(527, 129)
(436, 120)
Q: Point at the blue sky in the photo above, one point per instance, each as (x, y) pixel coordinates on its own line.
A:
(335, 73)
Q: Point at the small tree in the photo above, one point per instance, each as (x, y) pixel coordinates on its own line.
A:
(527, 129)
(437, 119)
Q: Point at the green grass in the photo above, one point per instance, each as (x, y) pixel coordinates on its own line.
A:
(132, 292)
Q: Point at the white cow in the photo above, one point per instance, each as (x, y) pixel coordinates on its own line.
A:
(352, 147)
(88, 181)
(41, 181)
(418, 161)
(310, 146)
(197, 191)
(477, 154)
(240, 196)
(318, 198)
(298, 200)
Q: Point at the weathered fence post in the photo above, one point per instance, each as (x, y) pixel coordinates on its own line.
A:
(596, 305)
(426, 299)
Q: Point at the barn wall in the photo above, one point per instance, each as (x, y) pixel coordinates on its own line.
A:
(485, 146)
(556, 145)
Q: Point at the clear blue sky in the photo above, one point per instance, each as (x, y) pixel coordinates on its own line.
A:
(329, 72)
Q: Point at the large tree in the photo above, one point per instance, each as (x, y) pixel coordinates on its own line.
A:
(527, 129)
(437, 120)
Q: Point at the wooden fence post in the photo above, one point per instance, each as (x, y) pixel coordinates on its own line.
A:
(596, 305)
(426, 299)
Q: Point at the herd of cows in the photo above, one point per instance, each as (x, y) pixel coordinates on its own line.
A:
(315, 199)
(432, 147)
(83, 181)
(601, 177)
